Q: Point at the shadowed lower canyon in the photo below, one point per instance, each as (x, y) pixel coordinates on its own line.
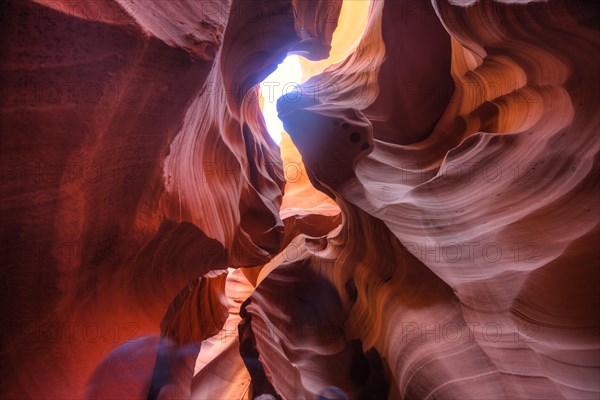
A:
(428, 228)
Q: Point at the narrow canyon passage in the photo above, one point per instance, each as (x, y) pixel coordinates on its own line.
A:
(299, 199)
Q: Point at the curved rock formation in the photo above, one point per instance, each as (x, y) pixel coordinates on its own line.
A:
(428, 229)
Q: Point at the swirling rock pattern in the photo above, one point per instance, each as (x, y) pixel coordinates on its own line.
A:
(428, 229)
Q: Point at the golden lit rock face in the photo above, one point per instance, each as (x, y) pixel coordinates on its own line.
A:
(300, 196)
(428, 228)
(351, 24)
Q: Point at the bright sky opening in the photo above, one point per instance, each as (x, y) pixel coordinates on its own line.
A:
(285, 79)
(288, 75)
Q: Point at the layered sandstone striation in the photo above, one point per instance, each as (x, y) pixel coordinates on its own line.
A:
(428, 229)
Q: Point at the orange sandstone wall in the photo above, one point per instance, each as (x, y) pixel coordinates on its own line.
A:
(428, 228)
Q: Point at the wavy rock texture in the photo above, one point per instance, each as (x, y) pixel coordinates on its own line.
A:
(504, 216)
(428, 229)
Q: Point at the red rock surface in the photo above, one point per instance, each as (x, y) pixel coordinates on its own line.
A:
(440, 238)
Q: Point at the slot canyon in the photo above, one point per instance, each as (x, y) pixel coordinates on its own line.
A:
(423, 224)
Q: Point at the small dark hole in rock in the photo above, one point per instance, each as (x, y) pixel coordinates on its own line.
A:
(346, 125)
(364, 146)
(355, 137)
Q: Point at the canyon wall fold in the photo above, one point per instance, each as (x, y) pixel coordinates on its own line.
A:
(498, 199)
(428, 227)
